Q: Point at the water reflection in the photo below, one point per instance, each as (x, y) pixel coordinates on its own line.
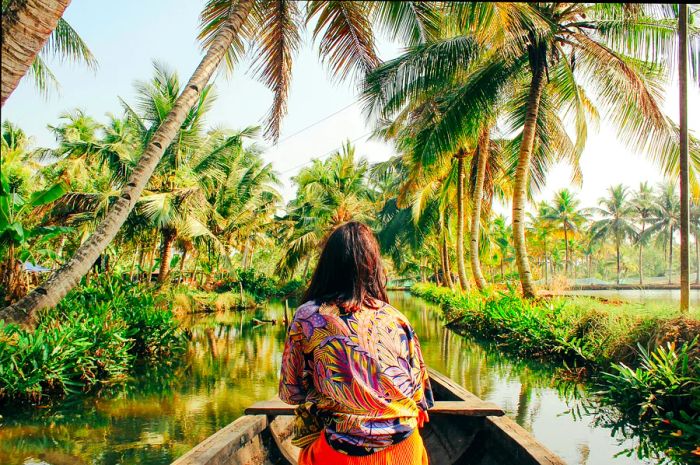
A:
(233, 362)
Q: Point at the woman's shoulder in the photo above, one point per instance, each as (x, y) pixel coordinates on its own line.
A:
(306, 309)
(390, 310)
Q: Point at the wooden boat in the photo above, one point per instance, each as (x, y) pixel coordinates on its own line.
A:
(463, 430)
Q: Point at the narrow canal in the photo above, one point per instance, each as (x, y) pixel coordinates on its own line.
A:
(232, 362)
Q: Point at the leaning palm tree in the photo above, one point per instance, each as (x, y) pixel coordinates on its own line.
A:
(63, 280)
(346, 44)
(566, 212)
(643, 204)
(617, 220)
(26, 27)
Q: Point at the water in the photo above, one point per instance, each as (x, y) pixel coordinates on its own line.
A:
(670, 296)
(232, 362)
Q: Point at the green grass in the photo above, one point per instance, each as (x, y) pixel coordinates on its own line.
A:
(645, 357)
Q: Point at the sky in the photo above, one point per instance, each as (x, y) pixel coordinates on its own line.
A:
(127, 36)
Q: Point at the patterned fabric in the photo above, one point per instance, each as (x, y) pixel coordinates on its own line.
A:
(410, 451)
(363, 371)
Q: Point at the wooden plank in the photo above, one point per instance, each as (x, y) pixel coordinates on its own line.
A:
(466, 408)
(236, 444)
(479, 408)
(520, 443)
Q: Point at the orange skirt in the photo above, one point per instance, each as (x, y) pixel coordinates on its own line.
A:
(410, 451)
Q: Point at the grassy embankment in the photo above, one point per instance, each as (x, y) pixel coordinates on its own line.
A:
(645, 358)
(91, 339)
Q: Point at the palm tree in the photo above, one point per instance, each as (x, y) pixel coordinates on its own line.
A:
(617, 220)
(60, 282)
(26, 26)
(684, 173)
(695, 228)
(666, 219)
(346, 44)
(482, 154)
(502, 234)
(643, 204)
(536, 46)
(329, 193)
(542, 228)
(565, 211)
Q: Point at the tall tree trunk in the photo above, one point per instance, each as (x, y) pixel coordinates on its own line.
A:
(670, 256)
(566, 250)
(617, 250)
(697, 256)
(443, 264)
(641, 259)
(62, 281)
(546, 275)
(448, 262)
(166, 254)
(461, 268)
(182, 266)
(685, 199)
(522, 172)
(26, 26)
(483, 154)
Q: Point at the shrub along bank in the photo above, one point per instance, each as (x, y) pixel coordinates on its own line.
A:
(646, 360)
(92, 338)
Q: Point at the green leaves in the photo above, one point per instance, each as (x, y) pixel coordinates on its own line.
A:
(49, 195)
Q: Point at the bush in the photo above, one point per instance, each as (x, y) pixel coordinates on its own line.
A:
(92, 337)
(258, 285)
(660, 400)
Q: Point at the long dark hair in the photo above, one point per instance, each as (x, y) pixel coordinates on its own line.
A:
(349, 270)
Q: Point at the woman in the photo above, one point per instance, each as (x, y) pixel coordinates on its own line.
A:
(353, 364)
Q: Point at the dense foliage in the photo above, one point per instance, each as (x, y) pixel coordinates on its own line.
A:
(92, 338)
(646, 367)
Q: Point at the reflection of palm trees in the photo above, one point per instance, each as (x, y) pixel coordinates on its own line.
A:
(524, 397)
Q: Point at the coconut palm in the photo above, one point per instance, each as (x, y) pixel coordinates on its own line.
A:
(643, 204)
(536, 46)
(26, 26)
(695, 229)
(617, 220)
(542, 228)
(665, 219)
(329, 193)
(346, 44)
(502, 233)
(566, 212)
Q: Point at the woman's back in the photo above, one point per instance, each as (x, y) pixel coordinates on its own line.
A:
(362, 372)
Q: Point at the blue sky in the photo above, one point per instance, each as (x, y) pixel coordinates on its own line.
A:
(127, 36)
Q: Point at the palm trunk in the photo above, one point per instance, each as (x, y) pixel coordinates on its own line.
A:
(26, 26)
(62, 281)
(461, 268)
(566, 250)
(483, 154)
(451, 281)
(641, 260)
(522, 174)
(685, 199)
(166, 254)
(670, 255)
(617, 250)
(182, 265)
(697, 257)
(446, 269)
(546, 275)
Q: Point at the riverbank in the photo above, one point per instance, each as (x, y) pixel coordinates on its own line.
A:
(92, 339)
(644, 359)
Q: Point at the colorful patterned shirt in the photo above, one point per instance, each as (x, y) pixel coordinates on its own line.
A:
(361, 372)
